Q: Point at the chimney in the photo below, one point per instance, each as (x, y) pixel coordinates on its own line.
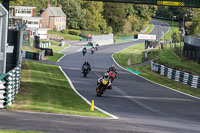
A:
(48, 4)
(60, 6)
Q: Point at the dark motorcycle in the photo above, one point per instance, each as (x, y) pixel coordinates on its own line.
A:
(92, 50)
(96, 47)
(85, 70)
(84, 52)
(101, 87)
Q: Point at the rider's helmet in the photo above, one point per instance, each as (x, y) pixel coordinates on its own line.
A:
(106, 75)
(113, 67)
(86, 62)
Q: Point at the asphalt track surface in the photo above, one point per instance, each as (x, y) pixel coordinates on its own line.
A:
(142, 106)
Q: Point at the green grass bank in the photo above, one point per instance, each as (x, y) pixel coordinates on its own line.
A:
(167, 57)
(44, 88)
(66, 36)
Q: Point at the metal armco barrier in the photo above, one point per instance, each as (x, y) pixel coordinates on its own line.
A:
(179, 76)
(103, 39)
(32, 55)
(2, 90)
(9, 86)
(45, 45)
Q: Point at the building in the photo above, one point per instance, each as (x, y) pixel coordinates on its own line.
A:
(53, 17)
(191, 48)
(24, 14)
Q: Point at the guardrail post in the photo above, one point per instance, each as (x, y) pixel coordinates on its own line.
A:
(2, 90)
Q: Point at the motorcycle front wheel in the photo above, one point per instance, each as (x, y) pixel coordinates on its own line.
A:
(100, 90)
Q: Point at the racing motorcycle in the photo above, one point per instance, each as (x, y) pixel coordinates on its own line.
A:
(102, 86)
(85, 70)
(112, 75)
(96, 47)
(92, 50)
(84, 51)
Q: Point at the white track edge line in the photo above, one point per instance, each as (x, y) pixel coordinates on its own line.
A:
(151, 29)
(60, 114)
(64, 54)
(88, 102)
(153, 81)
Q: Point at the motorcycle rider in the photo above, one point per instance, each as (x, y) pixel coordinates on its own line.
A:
(107, 78)
(97, 46)
(84, 50)
(92, 50)
(112, 70)
(88, 65)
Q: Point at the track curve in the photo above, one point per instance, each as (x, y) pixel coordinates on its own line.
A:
(142, 106)
(132, 98)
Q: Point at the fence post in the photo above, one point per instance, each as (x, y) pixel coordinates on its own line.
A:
(2, 90)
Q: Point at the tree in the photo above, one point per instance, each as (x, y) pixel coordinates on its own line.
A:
(75, 14)
(93, 17)
(16, 2)
(139, 15)
(115, 16)
(176, 37)
(194, 28)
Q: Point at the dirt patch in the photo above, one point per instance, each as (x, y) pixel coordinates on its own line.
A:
(129, 62)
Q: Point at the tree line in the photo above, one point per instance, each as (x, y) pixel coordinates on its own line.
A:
(190, 16)
(98, 16)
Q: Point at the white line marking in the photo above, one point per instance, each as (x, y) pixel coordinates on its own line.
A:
(64, 54)
(151, 29)
(88, 102)
(56, 114)
(150, 80)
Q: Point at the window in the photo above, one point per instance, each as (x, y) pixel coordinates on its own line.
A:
(63, 26)
(29, 11)
(10, 22)
(35, 22)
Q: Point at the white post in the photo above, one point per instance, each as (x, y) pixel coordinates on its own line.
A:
(3, 37)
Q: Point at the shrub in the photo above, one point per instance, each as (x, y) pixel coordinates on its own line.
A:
(65, 31)
(75, 32)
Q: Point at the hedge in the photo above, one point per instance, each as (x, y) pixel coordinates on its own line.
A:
(74, 32)
(65, 31)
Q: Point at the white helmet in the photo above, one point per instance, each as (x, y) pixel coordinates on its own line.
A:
(106, 75)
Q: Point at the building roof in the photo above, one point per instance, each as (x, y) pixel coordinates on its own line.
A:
(27, 18)
(57, 11)
(23, 7)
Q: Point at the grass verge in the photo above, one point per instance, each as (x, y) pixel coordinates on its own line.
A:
(66, 36)
(149, 29)
(31, 49)
(56, 56)
(56, 48)
(45, 88)
(147, 73)
(174, 27)
(130, 56)
(164, 57)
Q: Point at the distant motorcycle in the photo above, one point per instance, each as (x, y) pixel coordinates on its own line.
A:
(92, 50)
(96, 47)
(102, 86)
(85, 70)
(84, 51)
